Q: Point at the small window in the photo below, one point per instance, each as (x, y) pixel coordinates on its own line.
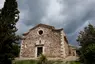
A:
(73, 54)
(40, 32)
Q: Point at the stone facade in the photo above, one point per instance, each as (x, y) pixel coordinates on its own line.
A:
(47, 40)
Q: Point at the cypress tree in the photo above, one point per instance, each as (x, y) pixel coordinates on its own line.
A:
(9, 15)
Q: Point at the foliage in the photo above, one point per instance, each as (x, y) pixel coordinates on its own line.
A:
(25, 62)
(16, 50)
(9, 15)
(42, 59)
(86, 40)
(48, 62)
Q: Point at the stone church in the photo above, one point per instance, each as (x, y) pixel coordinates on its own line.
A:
(45, 39)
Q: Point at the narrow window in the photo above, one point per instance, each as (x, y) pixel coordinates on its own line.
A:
(73, 54)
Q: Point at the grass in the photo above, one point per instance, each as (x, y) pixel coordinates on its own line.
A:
(25, 62)
(49, 62)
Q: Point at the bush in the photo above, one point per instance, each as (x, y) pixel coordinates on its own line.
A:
(24, 62)
(42, 59)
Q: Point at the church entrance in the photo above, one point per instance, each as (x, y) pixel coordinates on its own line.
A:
(39, 51)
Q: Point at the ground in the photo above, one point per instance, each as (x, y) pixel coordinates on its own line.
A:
(68, 60)
(49, 62)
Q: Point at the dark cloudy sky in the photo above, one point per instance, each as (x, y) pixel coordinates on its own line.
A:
(72, 15)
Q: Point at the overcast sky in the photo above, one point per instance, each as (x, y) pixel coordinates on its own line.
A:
(71, 15)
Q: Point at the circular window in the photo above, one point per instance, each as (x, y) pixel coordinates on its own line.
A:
(40, 32)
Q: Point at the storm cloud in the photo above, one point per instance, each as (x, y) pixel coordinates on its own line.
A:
(72, 15)
(1, 3)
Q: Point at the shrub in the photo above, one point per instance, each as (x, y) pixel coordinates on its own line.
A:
(42, 59)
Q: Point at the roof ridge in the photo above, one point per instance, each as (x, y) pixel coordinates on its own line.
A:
(45, 25)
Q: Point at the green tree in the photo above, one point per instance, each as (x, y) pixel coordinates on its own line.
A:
(86, 40)
(9, 15)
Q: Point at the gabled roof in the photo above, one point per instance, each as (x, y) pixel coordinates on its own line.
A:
(44, 25)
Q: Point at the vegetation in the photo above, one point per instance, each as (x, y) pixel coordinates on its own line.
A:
(42, 59)
(9, 15)
(48, 62)
(86, 40)
(25, 62)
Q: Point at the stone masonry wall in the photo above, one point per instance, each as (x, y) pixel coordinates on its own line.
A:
(49, 38)
(66, 48)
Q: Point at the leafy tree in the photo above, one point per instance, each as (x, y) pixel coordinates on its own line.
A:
(9, 15)
(86, 40)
